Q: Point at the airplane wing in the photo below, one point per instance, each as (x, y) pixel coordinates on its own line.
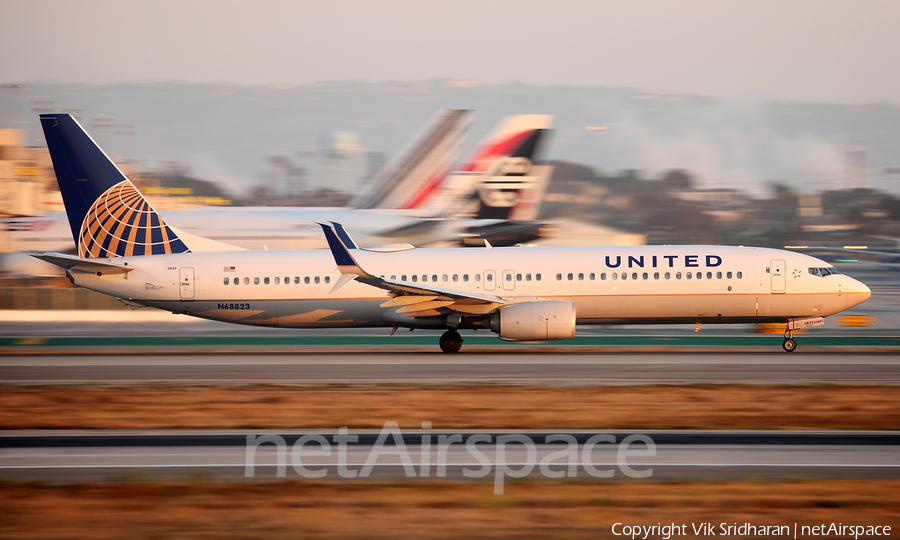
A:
(92, 266)
(417, 300)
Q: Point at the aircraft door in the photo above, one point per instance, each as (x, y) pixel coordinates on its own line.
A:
(186, 279)
(490, 280)
(776, 270)
(509, 280)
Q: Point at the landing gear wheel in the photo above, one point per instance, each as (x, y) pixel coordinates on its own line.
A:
(789, 344)
(451, 341)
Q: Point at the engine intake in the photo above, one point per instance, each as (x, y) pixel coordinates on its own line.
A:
(535, 321)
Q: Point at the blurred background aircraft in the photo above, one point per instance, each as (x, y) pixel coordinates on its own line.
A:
(417, 198)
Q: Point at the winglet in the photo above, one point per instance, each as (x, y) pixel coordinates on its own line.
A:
(342, 234)
(342, 257)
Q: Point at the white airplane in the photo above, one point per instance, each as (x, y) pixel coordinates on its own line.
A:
(523, 294)
(414, 199)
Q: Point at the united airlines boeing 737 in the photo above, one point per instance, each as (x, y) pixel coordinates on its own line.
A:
(523, 294)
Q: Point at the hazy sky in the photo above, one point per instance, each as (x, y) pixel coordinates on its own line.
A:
(812, 50)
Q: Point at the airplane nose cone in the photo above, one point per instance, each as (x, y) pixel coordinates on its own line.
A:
(858, 292)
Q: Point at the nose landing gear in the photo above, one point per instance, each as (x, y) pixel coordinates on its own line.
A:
(451, 341)
(789, 344)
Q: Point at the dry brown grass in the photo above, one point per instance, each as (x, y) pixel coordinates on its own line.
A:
(494, 407)
(299, 509)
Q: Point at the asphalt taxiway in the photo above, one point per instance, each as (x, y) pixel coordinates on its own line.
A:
(539, 366)
(654, 455)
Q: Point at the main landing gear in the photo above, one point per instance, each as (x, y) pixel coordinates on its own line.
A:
(789, 344)
(451, 341)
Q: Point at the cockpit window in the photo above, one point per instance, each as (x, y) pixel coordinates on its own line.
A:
(822, 272)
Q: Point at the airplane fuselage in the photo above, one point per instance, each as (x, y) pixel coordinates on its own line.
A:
(607, 285)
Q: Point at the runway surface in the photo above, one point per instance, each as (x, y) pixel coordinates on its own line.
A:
(412, 367)
(92, 456)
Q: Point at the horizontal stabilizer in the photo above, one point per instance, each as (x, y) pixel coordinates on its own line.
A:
(92, 266)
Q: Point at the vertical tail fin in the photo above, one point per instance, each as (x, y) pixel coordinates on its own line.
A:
(501, 180)
(513, 186)
(411, 178)
(108, 216)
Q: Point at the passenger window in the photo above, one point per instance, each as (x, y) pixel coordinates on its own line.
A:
(434, 278)
(591, 276)
(424, 278)
(246, 281)
(444, 278)
(740, 275)
(558, 277)
(394, 276)
(718, 275)
(570, 276)
(624, 275)
(699, 275)
(297, 280)
(709, 275)
(527, 277)
(518, 277)
(508, 277)
(455, 278)
(415, 278)
(287, 280)
(489, 277)
(668, 275)
(306, 280)
(655, 275)
(728, 275)
(603, 276)
(327, 279)
(403, 277)
(237, 280)
(678, 275)
(317, 280)
(645, 275)
(277, 281)
(256, 281)
(615, 276)
(226, 281)
(580, 276)
(477, 277)
(634, 275)
(465, 277)
(537, 277)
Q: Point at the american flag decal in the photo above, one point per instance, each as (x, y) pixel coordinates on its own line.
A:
(229, 269)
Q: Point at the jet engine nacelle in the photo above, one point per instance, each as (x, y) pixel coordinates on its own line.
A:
(535, 321)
